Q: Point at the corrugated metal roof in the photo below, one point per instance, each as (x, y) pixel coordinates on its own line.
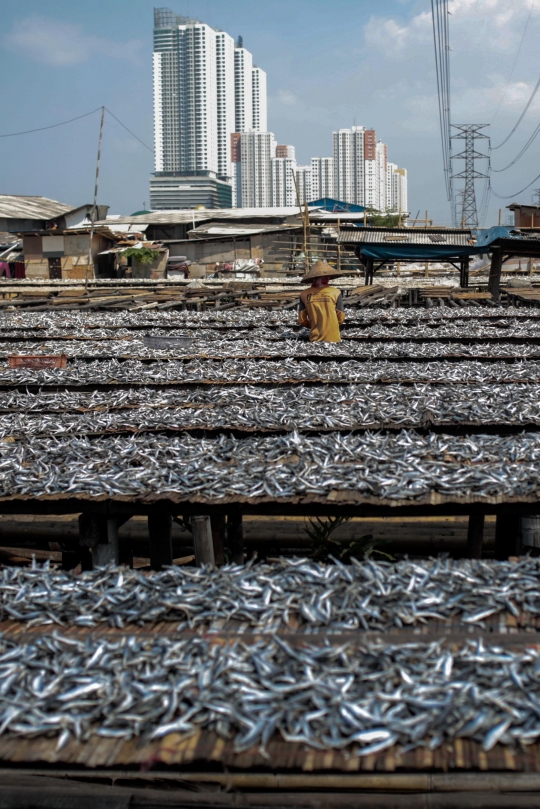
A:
(394, 236)
(17, 207)
(234, 229)
(180, 217)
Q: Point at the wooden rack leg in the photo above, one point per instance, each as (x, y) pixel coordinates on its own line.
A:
(218, 538)
(507, 536)
(235, 536)
(160, 536)
(202, 541)
(475, 536)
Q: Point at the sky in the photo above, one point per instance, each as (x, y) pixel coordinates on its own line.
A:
(329, 65)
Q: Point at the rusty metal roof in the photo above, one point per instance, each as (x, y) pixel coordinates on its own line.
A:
(13, 206)
(443, 237)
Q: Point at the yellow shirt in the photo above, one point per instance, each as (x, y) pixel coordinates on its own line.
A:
(320, 313)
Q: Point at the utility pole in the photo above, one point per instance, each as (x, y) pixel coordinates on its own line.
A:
(536, 196)
(469, 133)
(94, 207)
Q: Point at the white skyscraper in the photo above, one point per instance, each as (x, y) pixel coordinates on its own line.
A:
(396, 189)
(257, 149)
(205, 90)
(375, 176)
(349, 151)
(322, 177)
(283, 190)
(243, 89)
(304, 181)
(225, 101)
(259, 100)
(185, 90)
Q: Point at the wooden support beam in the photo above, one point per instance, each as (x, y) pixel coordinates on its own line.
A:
(202, 540)
(160, 536)
(507, 536)
(235, 536)
(494, 283)
(218, 538)
(475, 536)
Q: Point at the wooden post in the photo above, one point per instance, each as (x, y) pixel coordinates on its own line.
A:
(160, 538)
(507, 535)
(235, 536)
(500, 216)
(218, 538)
(494, 283)
(101, 535)
(202, 541)
(106, 552)
(475, 536)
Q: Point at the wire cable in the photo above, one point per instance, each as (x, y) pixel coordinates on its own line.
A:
(510, 78)
(509, 196)
(52, 126)
(129, 130)
(522, 152)
(521, 117)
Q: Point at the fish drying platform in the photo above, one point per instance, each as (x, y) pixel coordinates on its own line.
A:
(425, 409)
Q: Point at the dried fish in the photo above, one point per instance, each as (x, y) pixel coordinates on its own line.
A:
(271, 597)
(329, 697)
(401, 466)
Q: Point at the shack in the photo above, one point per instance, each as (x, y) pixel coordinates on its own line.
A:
(64, 253)
(376, 247)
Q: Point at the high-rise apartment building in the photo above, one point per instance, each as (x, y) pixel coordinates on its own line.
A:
(283, 150)
(259, 100)
(283, 189)
(243, 84)
(225, 99)
(205, 90)
(257, 151)
(349, 170)
(304, 182)
(375, 175)
(322, 177)
(396, 189)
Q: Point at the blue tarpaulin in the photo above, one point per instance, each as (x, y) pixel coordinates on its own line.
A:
(417, 252)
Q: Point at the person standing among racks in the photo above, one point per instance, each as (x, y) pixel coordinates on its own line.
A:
(321, 306)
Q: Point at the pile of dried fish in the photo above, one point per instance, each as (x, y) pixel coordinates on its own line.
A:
(400, 466)
(305, 408)
(329, 697)
(367, 595)
(222, 348)
(238, 371)
(13, 341)
(246, 319)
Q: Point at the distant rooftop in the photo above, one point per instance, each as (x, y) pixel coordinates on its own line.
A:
(13, 206)
(165, 18)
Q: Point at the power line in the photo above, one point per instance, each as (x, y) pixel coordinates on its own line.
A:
(129, 130)
(52, 126)
(521, 117)
(439, 16)
(510, 77)
(522, 152)
(509, 196)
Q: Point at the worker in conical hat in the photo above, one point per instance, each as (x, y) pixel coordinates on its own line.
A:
(321, 306)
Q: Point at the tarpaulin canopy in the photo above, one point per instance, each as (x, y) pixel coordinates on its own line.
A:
(416, 252)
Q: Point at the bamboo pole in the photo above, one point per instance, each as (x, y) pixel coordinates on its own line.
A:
(385, 782)
(94, 206)
(305, 221)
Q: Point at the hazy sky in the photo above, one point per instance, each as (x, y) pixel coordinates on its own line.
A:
(329, 64)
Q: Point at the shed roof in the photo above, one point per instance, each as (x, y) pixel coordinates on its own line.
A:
(13, 206)
(445, 237)
(187, 216)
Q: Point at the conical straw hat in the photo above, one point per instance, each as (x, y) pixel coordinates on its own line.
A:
(320, 270)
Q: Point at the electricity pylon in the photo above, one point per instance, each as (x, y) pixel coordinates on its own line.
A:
(469, 133)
